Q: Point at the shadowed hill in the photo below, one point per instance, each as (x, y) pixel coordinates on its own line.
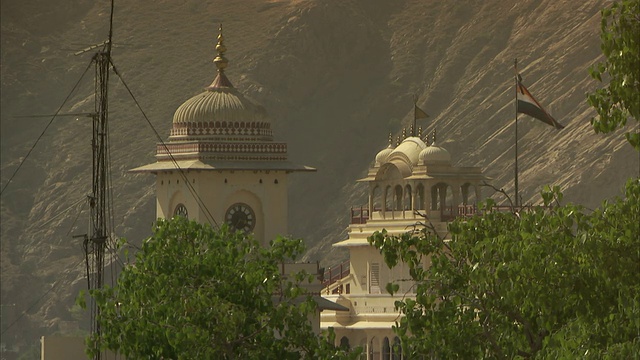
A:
(335, 76)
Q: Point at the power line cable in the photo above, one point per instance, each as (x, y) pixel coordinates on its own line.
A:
(46, 128)
(190, 187)
(60, 213)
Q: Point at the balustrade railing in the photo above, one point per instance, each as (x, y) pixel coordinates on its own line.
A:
(360, 214)
(335, 273)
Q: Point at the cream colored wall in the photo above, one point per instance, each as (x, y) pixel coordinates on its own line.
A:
(361, 258)
(67, 348)
(171, 191)
(314, 320)
(162, 196)
(370, 340)
(257, 189)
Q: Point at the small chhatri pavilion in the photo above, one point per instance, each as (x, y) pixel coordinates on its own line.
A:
(408, 183)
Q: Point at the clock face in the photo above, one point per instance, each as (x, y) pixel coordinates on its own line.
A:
(181, 210)
(241, 217)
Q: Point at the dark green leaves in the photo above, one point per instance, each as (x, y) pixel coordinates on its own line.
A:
(197, 293)
(548, 282)
(619, 100)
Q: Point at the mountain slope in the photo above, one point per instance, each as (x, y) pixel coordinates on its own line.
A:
(336, 78)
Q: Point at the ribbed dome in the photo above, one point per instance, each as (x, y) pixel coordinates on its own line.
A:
(383, 155)
(221, 129)
(220, 112)
(408, 150)
(435, 155)
(218, 105)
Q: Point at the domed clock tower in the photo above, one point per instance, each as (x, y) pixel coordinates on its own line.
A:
(221, 163)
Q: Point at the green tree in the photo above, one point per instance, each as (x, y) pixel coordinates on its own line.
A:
(619, 101)
(546, 282)
(197, 293)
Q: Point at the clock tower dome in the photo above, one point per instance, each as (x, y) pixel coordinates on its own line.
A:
(221, 163)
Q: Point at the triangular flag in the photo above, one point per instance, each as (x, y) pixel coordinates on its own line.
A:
(527, 104)
(419, 113)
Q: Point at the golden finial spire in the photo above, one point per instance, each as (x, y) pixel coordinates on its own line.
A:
(220, 61)
(398, 140)
(390, 139)
(433, 141)
(411, 133)
(404, 133)
(419, 132)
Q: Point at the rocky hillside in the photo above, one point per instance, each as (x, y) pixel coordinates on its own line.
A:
(336, 77)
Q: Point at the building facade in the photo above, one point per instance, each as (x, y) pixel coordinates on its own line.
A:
(221, 163)
(409, 184)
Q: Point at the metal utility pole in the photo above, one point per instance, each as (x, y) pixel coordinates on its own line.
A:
(96, 243)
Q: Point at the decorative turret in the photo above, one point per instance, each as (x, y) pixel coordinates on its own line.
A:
(434, 154)
(221, 62)
(382, 156)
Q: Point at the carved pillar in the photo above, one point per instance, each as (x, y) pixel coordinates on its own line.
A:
(372, 195)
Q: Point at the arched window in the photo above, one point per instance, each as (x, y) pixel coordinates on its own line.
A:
(464, 190)
(181, 210)
(439, 196)
(419, 197)
(388, 199)
(407, 197)
(396, 351)
(398, 198)
(376, 197)
(448, 210)
(434, 197)
(363, 346)
(344, 343)
(374, 350)
(386, 349)
(468, 197)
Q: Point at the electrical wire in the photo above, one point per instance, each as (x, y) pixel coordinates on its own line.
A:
(107, 169)
(182, 173)
(46, 128)
(60, 214)
(73, 224)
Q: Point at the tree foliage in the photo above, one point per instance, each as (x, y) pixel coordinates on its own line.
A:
(197, 293)
(546, 282)
(620, 99)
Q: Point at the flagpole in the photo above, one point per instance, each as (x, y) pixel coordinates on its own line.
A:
(415, 115)
(516, 126)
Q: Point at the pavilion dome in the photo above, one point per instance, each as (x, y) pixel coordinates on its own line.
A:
(221, 111)
(218, 105)
(434, 154)
(408, 151)
(383, 155)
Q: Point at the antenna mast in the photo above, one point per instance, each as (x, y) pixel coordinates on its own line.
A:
(95, 245)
